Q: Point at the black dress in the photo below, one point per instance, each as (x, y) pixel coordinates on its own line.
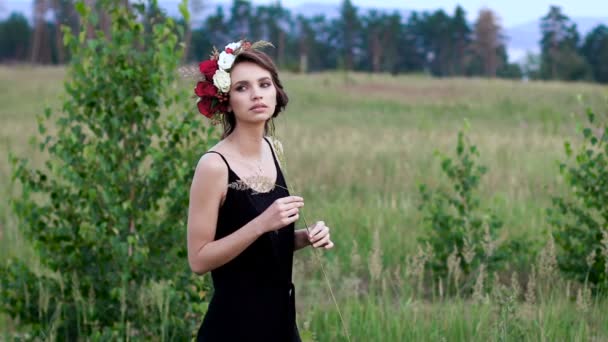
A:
(253, 297)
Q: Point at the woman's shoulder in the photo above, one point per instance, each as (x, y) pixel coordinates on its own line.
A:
(214, 156)
(210, 177)
(212, 164)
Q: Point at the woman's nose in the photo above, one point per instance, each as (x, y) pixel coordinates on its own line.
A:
(256, 93)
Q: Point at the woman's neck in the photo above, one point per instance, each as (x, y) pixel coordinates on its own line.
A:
(248, 140)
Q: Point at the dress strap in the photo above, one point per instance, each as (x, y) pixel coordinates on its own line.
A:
(276, 162)
(224, 159)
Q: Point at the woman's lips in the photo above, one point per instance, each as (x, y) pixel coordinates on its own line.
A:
(259, 108)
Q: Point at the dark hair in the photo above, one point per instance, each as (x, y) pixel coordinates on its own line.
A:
(265, 62)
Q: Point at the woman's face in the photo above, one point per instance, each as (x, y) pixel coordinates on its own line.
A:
(253, 96)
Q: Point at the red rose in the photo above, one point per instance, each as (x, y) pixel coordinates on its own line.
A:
(204, 106)
(205, 89)
(229, 50)
(221, 107)
(208, 68)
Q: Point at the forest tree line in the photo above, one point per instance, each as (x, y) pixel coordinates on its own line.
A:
(435, 42)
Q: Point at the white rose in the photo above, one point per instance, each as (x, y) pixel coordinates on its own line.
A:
(233, 46)
(225, 61)
(221, 80)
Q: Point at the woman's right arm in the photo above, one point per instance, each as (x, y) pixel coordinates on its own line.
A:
(206, 191)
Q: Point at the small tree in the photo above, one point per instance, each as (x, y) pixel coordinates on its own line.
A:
(488, 41)
(581, 219)
(461, 236)
(107, 213)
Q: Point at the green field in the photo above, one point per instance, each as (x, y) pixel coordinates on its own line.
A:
(357, 147)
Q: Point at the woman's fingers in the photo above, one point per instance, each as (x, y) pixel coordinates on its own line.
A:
(292, 211)
(290, 199)
(317, 228)
(292, 205)
(323, 234)
(322, 241)
(293, 218)
(316, 236)
(319, 236)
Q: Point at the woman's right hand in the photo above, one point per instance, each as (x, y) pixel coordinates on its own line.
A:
(280, 213)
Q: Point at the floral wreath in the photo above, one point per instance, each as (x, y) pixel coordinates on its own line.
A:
(212, 89)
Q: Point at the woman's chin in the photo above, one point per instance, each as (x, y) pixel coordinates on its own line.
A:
(262, 117)
(255, 119)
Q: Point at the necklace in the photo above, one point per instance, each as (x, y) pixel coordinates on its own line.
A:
(256, 166)
(257, 182)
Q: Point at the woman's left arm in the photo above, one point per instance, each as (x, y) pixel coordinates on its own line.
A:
(319, 237)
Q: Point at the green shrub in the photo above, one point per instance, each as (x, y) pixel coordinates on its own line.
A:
(460, 237)
(580, 219)
(107, 212)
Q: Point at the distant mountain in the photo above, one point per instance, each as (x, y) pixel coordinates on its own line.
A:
(527, 36)
(310, 9)
(520, 38)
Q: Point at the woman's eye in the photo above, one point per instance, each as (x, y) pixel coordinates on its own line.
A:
(242, 88)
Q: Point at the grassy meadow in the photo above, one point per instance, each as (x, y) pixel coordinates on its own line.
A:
(357, 147)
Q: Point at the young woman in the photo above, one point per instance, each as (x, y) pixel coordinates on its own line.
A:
(238, 230)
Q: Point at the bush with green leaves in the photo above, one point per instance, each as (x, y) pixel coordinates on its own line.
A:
(580, 217)
(107, 211)
(459, 235)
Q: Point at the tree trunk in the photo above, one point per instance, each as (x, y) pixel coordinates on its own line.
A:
(39, 10)
(376, 48)
(90, 29)
(303, 63)
(58, 34)
(281, 48)
(187, 42)
(104, 22)
(303, 53)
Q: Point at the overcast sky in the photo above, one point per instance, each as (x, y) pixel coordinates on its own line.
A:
(512, 12)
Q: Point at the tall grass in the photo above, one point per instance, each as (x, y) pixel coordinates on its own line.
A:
(357, 149)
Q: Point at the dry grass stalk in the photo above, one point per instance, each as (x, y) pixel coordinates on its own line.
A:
(591, 259)
(489, 245)
(478, 290)
(384, 283)
(583, 299)
(375, 258)
(415, 268)
(531, 288)
(496, 285)
(468, 251)
(355, 257)
(547, 261)
(257, 184)
(515, 286)
(604, 249)
(90, 305)
(398, 278)
(454, 269)
(43, 300)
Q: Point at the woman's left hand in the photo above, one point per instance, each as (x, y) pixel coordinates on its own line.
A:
(319, 236)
